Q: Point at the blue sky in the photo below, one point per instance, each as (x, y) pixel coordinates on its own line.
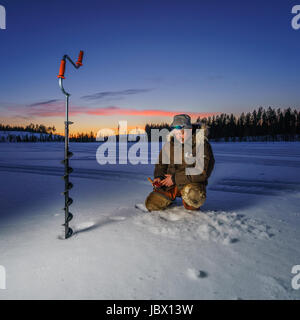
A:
(146, 60)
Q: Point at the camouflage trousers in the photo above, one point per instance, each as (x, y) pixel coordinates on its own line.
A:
(193, 197)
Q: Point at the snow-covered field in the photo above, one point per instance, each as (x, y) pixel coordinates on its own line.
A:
(241, 245)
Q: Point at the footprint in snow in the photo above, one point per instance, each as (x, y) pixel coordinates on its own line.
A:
(194, 274)
(167, 215)
(117, 218)
(141, 207)
(85, 225)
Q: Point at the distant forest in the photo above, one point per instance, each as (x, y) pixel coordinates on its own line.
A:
(40, 133)
(34, 128)
(83, 137)
(260, 125)
(29, 133)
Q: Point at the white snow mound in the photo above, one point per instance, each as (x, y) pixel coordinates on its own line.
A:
(218, 226)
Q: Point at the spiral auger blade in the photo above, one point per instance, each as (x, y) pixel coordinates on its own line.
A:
(68, 186)
(68, 199)
(69, 218)
(69, 155)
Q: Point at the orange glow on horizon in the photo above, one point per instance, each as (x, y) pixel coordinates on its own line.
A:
(87, 120)
(130, 129)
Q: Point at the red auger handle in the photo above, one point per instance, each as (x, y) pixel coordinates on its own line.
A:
(155, 184)
(150, 180)
(80, 57)
(62, 69)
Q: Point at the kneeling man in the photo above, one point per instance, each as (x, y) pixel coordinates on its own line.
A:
(182, 173)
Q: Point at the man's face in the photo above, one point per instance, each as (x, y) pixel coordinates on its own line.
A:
(182, 134)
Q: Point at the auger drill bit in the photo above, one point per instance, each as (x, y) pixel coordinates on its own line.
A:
(68, 154)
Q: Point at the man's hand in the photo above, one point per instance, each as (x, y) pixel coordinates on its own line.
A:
(168, 182)
(156, 180)
(156, 183)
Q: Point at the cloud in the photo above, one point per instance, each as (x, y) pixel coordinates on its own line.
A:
(57, 109)
(41, 103)
(50, 108)
(114, 94)
(22, 117)
(113, 110)
(136, 112)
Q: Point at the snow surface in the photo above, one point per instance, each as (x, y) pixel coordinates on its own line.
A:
(241, 245)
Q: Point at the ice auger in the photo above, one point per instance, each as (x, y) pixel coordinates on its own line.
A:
(68, 154)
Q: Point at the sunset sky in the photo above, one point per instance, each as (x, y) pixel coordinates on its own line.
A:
(146, 60)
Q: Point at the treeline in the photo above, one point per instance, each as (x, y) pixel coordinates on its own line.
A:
(83, 137)
(39, 133)
(260, 125)
(34, 128)
(89, 137)
(150, 126)
(34, 137)
(30, 137)
(29, 133)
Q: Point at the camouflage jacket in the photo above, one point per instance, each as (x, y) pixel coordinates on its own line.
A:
(174, 159)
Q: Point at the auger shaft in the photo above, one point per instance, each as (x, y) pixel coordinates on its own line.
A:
(68, 154)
